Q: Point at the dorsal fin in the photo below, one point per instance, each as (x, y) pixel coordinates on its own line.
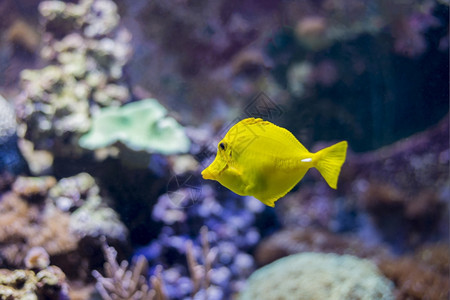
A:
(259, 127)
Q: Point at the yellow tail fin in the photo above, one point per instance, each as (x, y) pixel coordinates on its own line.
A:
(329, 162)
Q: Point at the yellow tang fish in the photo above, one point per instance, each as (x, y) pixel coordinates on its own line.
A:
(258, 158)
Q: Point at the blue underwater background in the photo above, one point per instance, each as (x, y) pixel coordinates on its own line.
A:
(110, 110)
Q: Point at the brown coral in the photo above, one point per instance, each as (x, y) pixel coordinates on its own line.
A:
(33, 188)
(29, 217)
(393, 209)
(292, 241)
(23, 34)
(80, 290)
(437, 256)
(415, 280)
(423, 275)
(37, 258)
(26, 225)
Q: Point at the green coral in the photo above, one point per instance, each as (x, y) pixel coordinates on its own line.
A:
(141, 126)
(308, 276)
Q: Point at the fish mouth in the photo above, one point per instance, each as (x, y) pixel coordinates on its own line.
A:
(207, 174)
(212, 173)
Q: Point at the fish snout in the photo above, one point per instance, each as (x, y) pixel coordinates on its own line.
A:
(207, 174)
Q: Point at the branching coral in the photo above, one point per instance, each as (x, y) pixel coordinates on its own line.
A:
(123, 282)
(233, 233)
(201, 274)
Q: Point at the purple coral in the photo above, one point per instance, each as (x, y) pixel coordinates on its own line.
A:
(232, 235)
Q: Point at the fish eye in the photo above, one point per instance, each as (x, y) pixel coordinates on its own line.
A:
(222, 146)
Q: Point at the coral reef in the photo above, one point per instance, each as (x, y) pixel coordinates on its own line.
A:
(318, 27)
(309, 206)
(371, 72)
(20, 35)
(341, 49)
(222, 46)
(435, 256)
(26, 225)
(415, 279)
(201, 274)
(49, 283)
(7, 120)
(52, 215)
(403, 187)
(95, 219)
(23, 35)
(423, 275)
(123, 282)
(396, 194)
(233, 233)
(70, 193)
(11, 160)
(291, 241)
(414, 163)
(86, 55)
(37, 258)
(141, 126)
(339, 39)
(318, 276)
(38, 282)
(33, 189)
